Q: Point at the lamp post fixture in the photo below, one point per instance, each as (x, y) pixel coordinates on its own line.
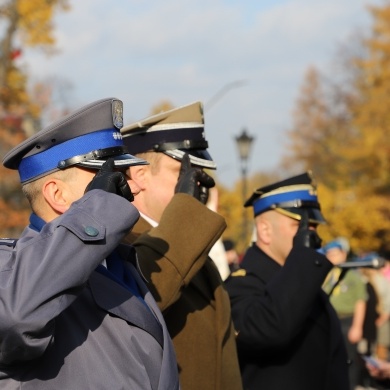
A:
(244, 142)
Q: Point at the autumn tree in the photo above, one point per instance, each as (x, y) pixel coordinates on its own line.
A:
(25, 23)
(341, 132)
(321, 130)
(371, 112)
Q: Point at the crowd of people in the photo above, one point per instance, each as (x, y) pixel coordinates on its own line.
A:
(122, 279)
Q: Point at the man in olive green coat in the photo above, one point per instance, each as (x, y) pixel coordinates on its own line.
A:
(172, 239)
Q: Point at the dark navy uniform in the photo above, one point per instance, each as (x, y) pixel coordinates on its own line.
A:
(288, 334)
(283, 320)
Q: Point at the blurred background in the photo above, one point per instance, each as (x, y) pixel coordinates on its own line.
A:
(304, 84)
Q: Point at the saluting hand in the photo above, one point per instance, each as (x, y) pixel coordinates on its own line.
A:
(305, 236)
(193, 181)
(111, 181)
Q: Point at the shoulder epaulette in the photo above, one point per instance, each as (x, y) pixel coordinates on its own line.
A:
(239, 272)
(8, 241)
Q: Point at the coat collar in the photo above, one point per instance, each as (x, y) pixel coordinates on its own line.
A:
(257, 262)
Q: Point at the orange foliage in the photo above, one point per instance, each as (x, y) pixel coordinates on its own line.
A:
(28, 22)
(344, 137)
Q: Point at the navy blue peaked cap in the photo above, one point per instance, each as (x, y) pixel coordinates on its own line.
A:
(173, 132)
(289, 197)
(86, 138)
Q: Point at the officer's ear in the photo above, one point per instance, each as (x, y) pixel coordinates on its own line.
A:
(264, 228)
(137, 178)
(57, 194)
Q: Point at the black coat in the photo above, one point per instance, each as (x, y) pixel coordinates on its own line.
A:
(288, 334)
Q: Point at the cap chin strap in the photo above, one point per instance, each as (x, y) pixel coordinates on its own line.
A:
(94, 155)
(178, 154)
(295, 216)
(287, 213)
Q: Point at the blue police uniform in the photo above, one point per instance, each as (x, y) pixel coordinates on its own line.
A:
(67, 321)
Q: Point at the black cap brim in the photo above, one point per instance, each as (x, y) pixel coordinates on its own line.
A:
(198, 157)
(314, 214)
(121, 162)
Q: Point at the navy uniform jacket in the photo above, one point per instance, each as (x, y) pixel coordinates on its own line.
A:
(64, 325)
(288, 334)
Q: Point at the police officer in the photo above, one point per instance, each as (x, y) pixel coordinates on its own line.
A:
(173, 238)
(75, 313)
(288, 334)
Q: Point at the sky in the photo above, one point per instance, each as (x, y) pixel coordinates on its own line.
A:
(245, 60)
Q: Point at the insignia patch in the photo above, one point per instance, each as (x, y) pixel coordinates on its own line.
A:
(117, 113)
(239, 272)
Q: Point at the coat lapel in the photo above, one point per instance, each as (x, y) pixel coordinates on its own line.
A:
(115, 299)
(205, 282)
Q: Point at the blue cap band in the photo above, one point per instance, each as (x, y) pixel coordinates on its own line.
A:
(270, 201)
(48, 160)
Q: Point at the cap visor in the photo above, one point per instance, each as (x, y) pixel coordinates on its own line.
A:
(122, 161)
(198, 157)
(314, 215)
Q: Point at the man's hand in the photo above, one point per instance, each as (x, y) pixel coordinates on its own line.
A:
(377, 368)
(193, 181)
(110, 181)
(305, 236)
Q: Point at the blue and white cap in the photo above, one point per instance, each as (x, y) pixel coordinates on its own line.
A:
(174, 133)
(341, 243)
(85, 138)
(289, 197)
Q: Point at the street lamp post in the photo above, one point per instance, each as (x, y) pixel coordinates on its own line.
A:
(244, 143)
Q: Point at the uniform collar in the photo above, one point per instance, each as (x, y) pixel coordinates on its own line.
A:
(152, 222)
(36, 223)
(259, 263)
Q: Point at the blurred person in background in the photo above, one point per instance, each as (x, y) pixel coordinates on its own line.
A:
(232, 256)
(348, 295)
(217, 252)
(379, 371)
(383, 342)
(375, 329)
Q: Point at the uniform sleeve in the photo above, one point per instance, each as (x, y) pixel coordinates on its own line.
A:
(172, 253)
(269, 315)
(45, 271)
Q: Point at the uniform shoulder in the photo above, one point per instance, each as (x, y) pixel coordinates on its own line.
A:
(238, 273)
